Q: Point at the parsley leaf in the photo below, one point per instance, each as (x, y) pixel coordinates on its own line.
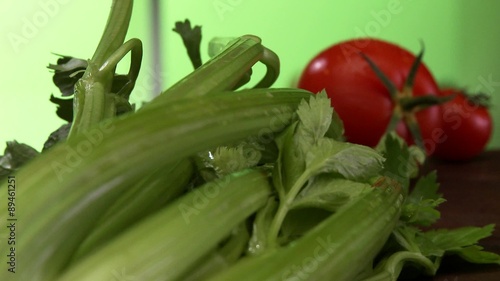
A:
(291, 162)
(475, 254)
(315, 118)
(309, 148)
(225, 160)
(355, 162)
(420, 205)
(57, 136)
(67, 71)
(328, 192)
(15, 156)
(397, 155)
(456, 239)
(303, 136)
(191, 37)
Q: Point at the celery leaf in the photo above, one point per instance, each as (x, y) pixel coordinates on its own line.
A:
(475, 254)
(296, 142)
(455, 239)
(290, 164)
(315, 118)
(420, 205)
(463, 242)
(67, 71)
(354, 162)
(15, 156)
(328, 192)
(225, 160)
(191, 37)
(396, 164)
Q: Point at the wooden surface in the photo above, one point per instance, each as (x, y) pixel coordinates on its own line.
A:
(472, 191)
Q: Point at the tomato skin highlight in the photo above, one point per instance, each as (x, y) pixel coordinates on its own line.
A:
(358, 95)
(467, 128)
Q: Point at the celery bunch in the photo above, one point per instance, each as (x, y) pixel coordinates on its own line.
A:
(212, 182)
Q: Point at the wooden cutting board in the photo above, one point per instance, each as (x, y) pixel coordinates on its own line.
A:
(472, 191)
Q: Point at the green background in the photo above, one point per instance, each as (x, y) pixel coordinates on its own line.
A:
(461, 39)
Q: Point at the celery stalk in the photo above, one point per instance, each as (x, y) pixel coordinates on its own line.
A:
(93, 100)
(337, 249)
(164, 246)
(145, 198)
(79, 178)
(224, 71)
(221, 258)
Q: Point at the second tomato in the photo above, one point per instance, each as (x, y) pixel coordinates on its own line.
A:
(467, 126)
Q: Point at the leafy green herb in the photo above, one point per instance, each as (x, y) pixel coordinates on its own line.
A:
(15, 156)
(397, 160)
(191, 37)
(420, 206)
(64, 108)
(427, 249)
(305, 152)
(67, 71)
(225, 160)
(315, 118)
(355, 162)
(454, 240)
(476, 254)
(59, 135)
(328, 192)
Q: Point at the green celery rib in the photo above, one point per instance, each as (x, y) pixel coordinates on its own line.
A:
(390, 268)
(220, 258)
(221, 73)
(337, 249)
(165, 245)
(144, 199)
(206, 267)
(115, 30)
(91, 104)
(63, 208)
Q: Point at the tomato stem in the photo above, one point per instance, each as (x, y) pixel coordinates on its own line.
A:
(397, 115)
(393, 90)
(480, 99)
(405, 104)
(411, 121)
(418, 103)
(413, 70)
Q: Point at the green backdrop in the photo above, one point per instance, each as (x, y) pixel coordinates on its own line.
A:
(461, 39)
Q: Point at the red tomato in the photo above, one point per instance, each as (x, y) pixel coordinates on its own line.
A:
(466, 129)
(358, 95)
